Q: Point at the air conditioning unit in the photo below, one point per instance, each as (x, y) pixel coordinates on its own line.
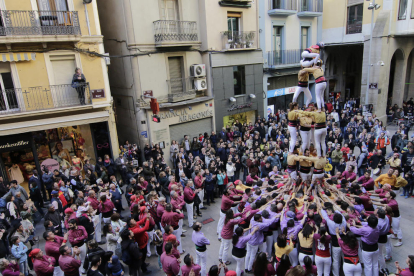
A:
(200, 84)
(198, 70)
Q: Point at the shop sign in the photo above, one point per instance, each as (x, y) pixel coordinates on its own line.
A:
(148, 94)
(184, 116)
(49, 164)
(281, 92)
(98, 93)
(144, 133)
(14, 142)
(239, 106)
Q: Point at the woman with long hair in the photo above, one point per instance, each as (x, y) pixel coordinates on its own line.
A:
(262, 267)
(106, 207)
(306, 243)
(239, 247)
(227, 234)
(112, 237)
(283, 247)
(283, 266)
(323, 254)
(349, 246)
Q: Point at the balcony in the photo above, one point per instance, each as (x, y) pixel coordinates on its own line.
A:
(43, 97)
(310, 8)
(44, 25)
(181, 89)
(233, 41)
(283, 57)
(354, 25)
(282, 7)
(236, 3)
(173, 33)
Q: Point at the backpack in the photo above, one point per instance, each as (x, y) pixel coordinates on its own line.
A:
(126, 257)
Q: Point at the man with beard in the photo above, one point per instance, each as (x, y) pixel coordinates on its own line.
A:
(55, 218)
(77, 236)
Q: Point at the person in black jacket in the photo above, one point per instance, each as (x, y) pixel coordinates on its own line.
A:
(36, 197)
(95, 250)
(3, 187)
(94, 269)
(128, 244)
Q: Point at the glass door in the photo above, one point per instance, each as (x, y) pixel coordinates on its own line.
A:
(8, 98)
(277, 45)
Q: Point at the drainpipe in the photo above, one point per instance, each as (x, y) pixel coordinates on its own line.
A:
(87, 19)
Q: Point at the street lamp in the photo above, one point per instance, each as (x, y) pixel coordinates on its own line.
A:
(372, 7)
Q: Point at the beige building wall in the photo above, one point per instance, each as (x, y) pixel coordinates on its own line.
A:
(216, 21)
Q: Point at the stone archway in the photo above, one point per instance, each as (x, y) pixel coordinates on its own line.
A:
(396, 82)
(409, 78)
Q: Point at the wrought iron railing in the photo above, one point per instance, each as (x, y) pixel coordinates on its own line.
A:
(180, 89)
(310, 5)
(283, 57)
(175, 31)
(283, 4)
(354, 25)
(239, 40)
(44, 97)
(15, 23)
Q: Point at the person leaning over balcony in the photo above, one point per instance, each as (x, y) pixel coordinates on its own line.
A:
(79, 83)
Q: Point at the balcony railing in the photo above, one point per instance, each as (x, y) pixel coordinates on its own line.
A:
(15, 23)
(44, 97)
(239, 40)
(180, 89)
(312, 7)
(173, 31)
(283, 57)
(354, 25)
(283, 5)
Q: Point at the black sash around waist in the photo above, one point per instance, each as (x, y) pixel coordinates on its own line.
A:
(305, 128)
(202, 248)
(383, 239)
(320, 125)
(304, 169)
(369, 247)
(238, 252)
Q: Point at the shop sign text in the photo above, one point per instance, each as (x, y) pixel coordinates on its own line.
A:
(184, 116)
(239, 106)
(17, 144)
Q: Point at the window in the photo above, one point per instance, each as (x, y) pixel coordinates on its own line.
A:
(8, 99)
(402, 12)
(52, 5)
(239, 79)
(354, 22)
(276, 4)
(412, 9)
(233, 25)
(277, 38)
(304, 37)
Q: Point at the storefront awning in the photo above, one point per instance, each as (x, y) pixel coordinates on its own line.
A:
(55, 122)
(17, 57)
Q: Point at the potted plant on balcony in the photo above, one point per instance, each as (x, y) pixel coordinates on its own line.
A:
(249, 39)
(229, 40)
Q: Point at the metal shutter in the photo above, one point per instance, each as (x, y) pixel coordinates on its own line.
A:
(176, 77)
(192, 129)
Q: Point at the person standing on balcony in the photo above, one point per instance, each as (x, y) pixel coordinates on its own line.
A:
(79, 83)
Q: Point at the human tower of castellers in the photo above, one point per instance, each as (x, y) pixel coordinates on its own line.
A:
(289, 213)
